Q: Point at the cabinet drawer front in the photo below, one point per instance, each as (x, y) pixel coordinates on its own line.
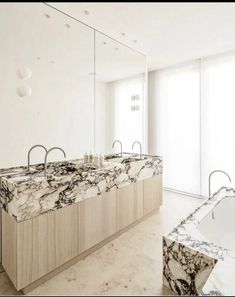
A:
(97, 219)
(46, 242)
(152, 193)
(129, 204)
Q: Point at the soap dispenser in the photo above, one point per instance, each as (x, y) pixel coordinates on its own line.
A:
(101, 160)
(86, 158)
(91, 158)
(96, 160)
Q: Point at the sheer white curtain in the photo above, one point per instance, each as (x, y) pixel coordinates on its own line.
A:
(178, 127)
(195, 124)
(218, 120)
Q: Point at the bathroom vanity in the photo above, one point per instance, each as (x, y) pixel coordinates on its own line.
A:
(49, 223)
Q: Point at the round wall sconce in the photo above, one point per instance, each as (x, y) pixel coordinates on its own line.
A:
(24, 73)
(24, 91)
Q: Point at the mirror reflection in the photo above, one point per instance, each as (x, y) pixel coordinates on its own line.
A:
(47, 83)
(120, 92)
(64, 84)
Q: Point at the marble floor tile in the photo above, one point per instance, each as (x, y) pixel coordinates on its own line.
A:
(129, 265)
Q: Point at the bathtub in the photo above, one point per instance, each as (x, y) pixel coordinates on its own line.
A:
(199, 253)
(218, 226)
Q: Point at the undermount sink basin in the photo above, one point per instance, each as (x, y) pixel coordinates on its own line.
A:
(87, 167)
(111, 157)
(61, 169)
(132, 159)
(69, 169)
(124, 159)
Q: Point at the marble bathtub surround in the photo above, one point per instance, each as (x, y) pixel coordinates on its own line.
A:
(25, 195)
(194, 265)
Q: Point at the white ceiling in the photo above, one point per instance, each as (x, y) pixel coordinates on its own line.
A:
(54, 43)
(169, 33)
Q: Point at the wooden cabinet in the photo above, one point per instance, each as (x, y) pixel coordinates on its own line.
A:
(97, 219)
(35, 248)
(152, 193)
(9, 248)
(129, 204)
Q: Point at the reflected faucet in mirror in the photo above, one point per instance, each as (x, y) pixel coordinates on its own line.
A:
(29, 152)
(140, 147)
(117, 141)
(45, 162)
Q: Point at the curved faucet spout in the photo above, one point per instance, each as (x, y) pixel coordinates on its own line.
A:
(29, 152)
(45, 161)
(140, 147)
(117, 141)
(214, 171)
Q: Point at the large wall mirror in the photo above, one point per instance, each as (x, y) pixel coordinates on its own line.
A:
(65, 84)
(120, 97)
(47, 83)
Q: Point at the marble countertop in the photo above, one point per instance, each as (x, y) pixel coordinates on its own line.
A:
(25, 195)
(203, 268)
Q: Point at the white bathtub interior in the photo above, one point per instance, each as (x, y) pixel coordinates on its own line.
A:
(219, 225)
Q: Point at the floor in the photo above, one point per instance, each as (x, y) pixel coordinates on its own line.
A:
(129, 265)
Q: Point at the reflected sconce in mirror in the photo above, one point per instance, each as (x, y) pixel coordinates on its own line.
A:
(24, 91)
(135, 97)
(135, 107)
(24, 73)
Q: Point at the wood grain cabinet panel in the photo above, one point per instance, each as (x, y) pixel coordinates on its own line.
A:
(9, 248)
(152, 193)
(42, 244)
(32, 254)
(66, 234)
(34, 248)
(129, 204)
(97, 219)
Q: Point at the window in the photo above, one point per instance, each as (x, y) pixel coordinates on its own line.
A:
(179, 128)
(218, 121)
(195, 123)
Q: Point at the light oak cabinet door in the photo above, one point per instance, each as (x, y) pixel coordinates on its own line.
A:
(97, 219)
(152, 193)
(9, 246)
(66, 231)
(42, 244)
(129, 204)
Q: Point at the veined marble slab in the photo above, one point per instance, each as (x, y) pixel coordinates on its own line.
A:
(26, 195)
(194, 265)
